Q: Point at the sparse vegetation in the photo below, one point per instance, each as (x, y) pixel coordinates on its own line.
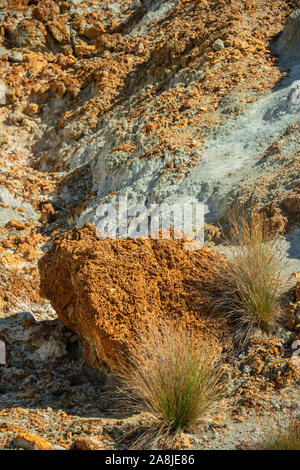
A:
(279, 438)
(247, 285)
(173, 377)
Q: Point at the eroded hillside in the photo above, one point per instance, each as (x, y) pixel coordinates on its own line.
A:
(162, 102)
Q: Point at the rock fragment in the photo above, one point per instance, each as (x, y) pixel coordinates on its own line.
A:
(87, 443)
(25, 440)
(15, 224)
(31, 109)
(218, 45)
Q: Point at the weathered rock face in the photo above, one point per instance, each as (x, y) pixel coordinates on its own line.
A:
(109, 290)
(30, 34)
(289, 42)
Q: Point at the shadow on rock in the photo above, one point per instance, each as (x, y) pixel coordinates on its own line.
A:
(44, 368)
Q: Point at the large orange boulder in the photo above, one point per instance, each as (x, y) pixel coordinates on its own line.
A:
(109, 290)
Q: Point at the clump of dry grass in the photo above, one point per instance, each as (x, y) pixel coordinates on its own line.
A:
(247, 285)
(279, 438)
(173, 377)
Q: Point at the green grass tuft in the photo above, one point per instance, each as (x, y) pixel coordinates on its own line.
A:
(248, 284)
(172, 377)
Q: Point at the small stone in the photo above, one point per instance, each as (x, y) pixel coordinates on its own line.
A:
(241, 45)
(218, 45)
(28, 441)
(27, 251)
(228, 43)
(7, 95)
(15, 224)
(3, 51)
(276, 404)
(84, 50)
(48, 213)
(92, 32)
(59, 31)
(30, 34)
(247, 369)
(46, 10)
(31, 108)
(16, 57)
(88, 443)
(16, 118)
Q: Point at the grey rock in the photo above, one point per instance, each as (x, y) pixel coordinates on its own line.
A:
(16, 57)
(218, 45)
(288, 43)
(3, 51)
(16, 118)
(247, 369)
(275, 402)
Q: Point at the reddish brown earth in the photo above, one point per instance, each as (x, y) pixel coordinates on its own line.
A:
(108, 291)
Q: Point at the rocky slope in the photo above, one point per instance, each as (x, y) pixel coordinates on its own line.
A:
(160, 101)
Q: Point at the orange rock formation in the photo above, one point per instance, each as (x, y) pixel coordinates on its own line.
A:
(109, 290)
